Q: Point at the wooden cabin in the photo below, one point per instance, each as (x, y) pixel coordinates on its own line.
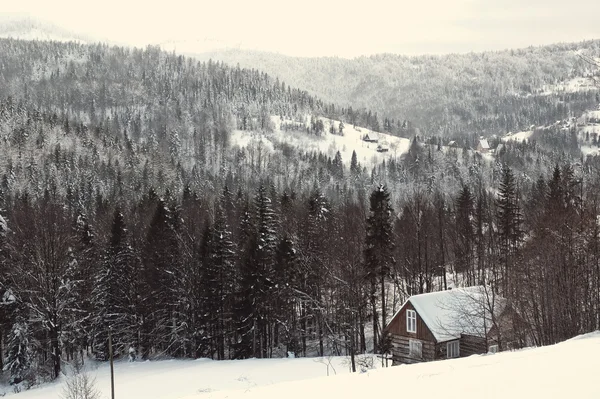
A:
(483, 146)
(371, 138)
(449, 324)
(382, 148)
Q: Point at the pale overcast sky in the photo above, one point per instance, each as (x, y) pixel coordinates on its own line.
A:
(321, 27)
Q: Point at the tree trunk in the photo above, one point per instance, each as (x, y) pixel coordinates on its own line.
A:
(383, 303)
(375, 317)
(55, 350)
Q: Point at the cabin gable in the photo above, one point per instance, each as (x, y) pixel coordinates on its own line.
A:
(404, 342)
(398, 326)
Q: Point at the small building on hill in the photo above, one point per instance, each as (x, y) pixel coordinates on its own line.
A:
(483, 146)
(450, 324)
(371, 137)
(382, 148)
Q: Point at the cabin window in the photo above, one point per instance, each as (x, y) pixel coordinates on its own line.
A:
(415, 348)
(452, 349)
(411, 321)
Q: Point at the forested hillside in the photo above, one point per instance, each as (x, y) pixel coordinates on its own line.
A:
(487, 93)
(126, 208)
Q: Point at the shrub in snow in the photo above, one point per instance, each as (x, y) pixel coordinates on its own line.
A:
(132, 354)
(80, 385)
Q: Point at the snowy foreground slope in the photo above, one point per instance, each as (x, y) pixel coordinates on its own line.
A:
(566, 370)
(569, 369)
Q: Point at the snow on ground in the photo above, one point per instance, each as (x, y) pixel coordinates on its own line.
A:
(327, 143)
(590, 150)
(593, 114)
(573, 85)
(569, 369)
(561, 371)
(520, 136)
(174, 379)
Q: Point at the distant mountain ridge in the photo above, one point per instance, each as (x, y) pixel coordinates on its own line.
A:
(28, 28)
(490, 92)
(444, 95)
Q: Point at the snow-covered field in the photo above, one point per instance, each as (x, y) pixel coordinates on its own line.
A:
(565, 370)
(327, 143)
(174, 379)
(573, 85)
(519, 136)
(594, 114)
(590, 150)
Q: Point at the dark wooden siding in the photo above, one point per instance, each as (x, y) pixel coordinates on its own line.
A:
(398, 326)
(471, 345)
(468, 345)
(401, 337)
(401, 353)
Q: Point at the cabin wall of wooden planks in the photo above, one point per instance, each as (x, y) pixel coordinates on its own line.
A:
(471, 345)
(401, 352)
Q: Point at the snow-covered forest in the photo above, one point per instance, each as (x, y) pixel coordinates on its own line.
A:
(126, 208)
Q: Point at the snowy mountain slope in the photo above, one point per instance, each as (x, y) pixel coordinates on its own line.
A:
(564, 370)
(327, 143)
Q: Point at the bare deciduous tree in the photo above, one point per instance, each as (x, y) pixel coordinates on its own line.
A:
(80, 385)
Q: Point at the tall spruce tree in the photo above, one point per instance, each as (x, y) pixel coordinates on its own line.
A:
(379, 253)
(465, 235)
(113, 297)
(161, 271)
(265, 245)
(314, 256)
(509, 220)
(218, 273)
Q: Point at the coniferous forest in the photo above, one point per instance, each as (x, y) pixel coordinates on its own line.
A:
(126, 209)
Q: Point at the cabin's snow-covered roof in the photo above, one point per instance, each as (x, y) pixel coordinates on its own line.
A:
(484, 144)
(448, 314)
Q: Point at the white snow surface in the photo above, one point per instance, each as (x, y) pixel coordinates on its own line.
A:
(574, 85)
(519, 136)
(590, 150)
(566, 370)
(174, 379)
(450, 313)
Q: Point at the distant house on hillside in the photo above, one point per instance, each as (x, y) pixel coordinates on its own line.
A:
(483, 146)
(382, 148)
(371, 138)
(452, 323)
(452, 144)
